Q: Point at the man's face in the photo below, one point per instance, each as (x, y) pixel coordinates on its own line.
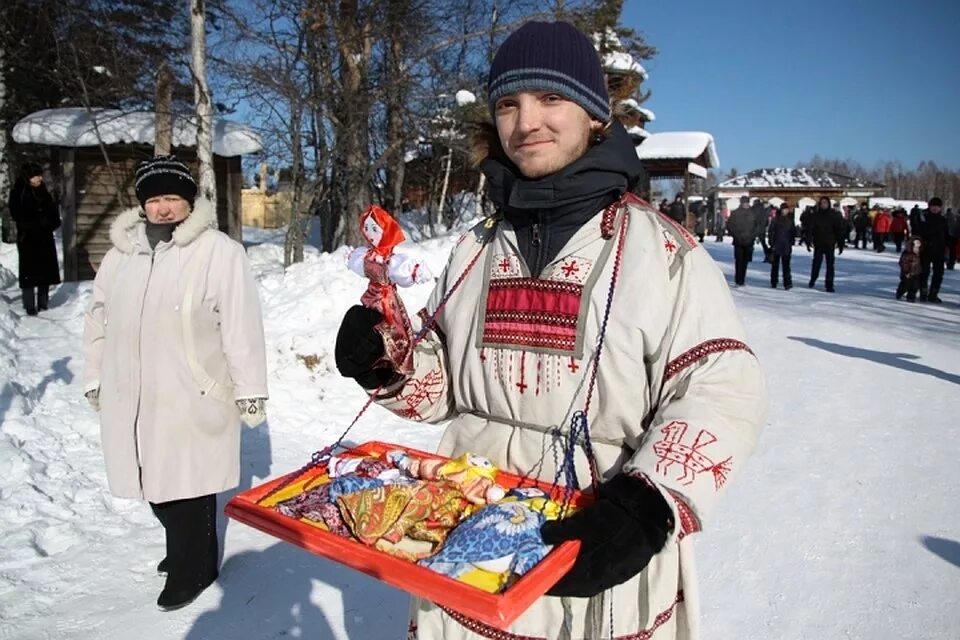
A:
(542, 132)
(935, 209)
(35, 181)
(166, 209)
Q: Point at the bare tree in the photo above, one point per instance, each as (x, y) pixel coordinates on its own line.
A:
(204, 109)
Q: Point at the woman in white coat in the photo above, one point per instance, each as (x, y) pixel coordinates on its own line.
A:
(175, 358)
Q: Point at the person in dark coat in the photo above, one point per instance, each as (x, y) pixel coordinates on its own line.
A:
(933, 232)
(677, 211)
(898, 228)
(825, 234)
(805, 225)
(780, 236)
(742, 226)
(698, 209)
(861, 222)
(911, 268)
(760, 220)
(953, 237)
(36, 215)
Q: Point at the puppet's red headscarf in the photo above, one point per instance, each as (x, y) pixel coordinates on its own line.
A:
(392, 233)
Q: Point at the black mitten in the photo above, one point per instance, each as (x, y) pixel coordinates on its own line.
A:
(619, 533)
(359, 347)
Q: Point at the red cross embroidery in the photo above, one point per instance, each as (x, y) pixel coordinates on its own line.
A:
(669, 245)
(573, 366)
(505, 265)
(570, 268)
(671, 449)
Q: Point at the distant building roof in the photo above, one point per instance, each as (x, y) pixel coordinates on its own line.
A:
(74, 127)
(796, 178)
(680, 145)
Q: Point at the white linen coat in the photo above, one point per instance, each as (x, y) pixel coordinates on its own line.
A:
(679, 396)
(173, 337)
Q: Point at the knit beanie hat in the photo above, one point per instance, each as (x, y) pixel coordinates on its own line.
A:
(550, 56)
(935, 202)
(164, 175)
(31, 169)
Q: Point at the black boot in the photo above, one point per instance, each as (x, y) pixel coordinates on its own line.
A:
(177, 596)
(192, 550)
(29, 301)
(43, 298)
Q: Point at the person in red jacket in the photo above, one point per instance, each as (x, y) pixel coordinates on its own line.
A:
(881, 227)
(898, 228)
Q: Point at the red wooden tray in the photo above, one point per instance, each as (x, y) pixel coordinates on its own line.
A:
(498, 610)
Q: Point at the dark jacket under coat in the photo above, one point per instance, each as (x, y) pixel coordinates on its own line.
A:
(36, 215)
(933, 231)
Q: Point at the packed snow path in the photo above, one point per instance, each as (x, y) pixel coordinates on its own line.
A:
(843, 525)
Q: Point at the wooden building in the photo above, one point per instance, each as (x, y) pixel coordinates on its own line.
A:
(94, 191)
(799, 186)
(678, 154)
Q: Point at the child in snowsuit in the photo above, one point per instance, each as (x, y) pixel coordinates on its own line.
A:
(910, 270)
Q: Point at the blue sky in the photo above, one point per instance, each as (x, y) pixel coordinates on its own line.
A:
(777, 82)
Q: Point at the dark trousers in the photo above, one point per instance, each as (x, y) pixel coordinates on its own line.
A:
(777, 261)
(932, 270)
(951, 252)
(35, 298)
(818, 257)
(860, 237)
(191, 528)
(898, 240)
(908, 285)
(741, 256)
(878, 240)
(765, 247)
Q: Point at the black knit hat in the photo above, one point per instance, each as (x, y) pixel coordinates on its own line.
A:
(550, 56)
(935, 202)
(164, 175)
(31, 169)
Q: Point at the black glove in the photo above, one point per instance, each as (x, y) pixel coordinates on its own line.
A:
(839, 249)
(619, 533)
(808, 246)
(359, 347)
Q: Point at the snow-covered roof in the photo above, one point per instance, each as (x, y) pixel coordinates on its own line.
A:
(638, 132)
(74, 127)
(679, 145)
(893, 203)
(622, 62)
(632, 105)
(795, 178)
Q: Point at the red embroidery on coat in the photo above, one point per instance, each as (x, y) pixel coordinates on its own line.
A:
(701, 351)
(529, 312)
(427, 389)
(671, 449)
(688, 521)
(505, 265)
(688, 239)
(570, 268)
(669, 244)
(522, 385)
(486, 631)
(573, 366)
(412, 630)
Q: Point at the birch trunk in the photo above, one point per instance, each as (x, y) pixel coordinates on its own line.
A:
(201, 93)
(9, 233)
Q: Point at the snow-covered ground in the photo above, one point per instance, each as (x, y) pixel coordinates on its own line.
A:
(845, 524)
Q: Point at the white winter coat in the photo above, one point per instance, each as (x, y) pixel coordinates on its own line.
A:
(679, 398)
(173, 338)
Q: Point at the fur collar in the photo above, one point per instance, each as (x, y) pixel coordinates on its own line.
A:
(124, 232)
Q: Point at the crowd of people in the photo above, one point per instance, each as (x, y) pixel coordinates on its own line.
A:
(928, 240)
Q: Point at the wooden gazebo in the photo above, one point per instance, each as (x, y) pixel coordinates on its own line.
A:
(679, 154)
(93, 156)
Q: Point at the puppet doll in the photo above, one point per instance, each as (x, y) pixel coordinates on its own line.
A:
(386, 269)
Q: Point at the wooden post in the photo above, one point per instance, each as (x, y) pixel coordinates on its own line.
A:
(234, 180)
(68, 213)
(163, 112)
(686, 200)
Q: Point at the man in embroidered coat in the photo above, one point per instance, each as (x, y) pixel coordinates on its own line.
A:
(675, 403)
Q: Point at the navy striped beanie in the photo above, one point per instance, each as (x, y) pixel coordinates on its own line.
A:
(164, 176)
(550, 56)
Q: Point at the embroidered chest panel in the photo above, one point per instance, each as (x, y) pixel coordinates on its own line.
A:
(542, 315)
